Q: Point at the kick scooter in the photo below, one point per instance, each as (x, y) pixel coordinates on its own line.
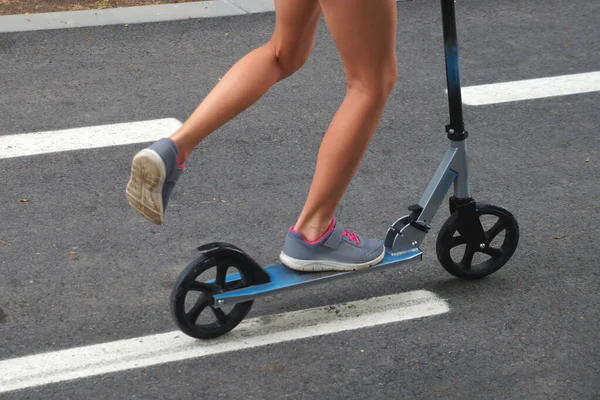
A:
(207, 301)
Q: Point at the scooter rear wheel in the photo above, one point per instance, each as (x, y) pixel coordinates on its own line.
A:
(192, 298)
(467, 261)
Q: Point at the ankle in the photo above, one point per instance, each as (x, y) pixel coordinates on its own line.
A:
(315, 229)
(182, 154)
(181, 157)
(183, 147)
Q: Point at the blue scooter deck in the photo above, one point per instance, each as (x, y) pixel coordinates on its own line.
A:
(284, 278)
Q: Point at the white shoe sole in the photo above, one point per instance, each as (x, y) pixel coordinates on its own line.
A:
(322, 265)
(144, 190)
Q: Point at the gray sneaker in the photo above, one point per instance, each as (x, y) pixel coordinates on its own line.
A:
(154, 172)
(337, 250)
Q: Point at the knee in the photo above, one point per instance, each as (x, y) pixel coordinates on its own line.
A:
(390, 76)
(290, 57)
(376, 84)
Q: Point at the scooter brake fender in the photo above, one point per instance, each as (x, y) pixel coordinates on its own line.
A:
(251, 268)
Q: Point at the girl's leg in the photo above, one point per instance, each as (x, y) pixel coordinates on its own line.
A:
(154, 170)
(250, 78)
(365, 34)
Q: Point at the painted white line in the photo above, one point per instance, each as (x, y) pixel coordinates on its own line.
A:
(40, 369)
(28, 144)
(531, 89)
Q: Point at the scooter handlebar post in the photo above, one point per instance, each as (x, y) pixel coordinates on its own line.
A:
(456, 128)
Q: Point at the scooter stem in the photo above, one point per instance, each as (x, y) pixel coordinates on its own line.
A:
(456, 128)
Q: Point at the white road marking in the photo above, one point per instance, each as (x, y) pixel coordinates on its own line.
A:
(28, 144)
(45, 368)
(531, 89)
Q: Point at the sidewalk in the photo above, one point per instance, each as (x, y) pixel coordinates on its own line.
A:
(133, 15)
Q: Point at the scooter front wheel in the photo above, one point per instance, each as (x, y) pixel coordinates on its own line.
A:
(192, 298)
(469, 261)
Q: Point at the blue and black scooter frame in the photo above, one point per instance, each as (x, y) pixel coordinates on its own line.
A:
(402, 242)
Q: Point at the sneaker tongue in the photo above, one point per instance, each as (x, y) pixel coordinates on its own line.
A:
(333, 238)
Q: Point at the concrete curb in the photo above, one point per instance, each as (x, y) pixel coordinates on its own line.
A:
(133, 15)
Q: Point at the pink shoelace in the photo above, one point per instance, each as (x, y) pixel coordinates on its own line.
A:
(351, 236)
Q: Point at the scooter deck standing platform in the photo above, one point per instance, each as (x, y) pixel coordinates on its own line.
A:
(284, 278)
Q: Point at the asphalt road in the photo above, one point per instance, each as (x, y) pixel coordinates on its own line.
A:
(530, 331)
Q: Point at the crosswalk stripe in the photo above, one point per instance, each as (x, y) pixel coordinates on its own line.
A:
(531, 89)
(28, 144)
(81, 362)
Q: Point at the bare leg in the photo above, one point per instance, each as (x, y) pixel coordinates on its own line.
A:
(365, 34)
(250, 78)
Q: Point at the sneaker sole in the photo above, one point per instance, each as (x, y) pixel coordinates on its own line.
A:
(322, 265)
(144, 190)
